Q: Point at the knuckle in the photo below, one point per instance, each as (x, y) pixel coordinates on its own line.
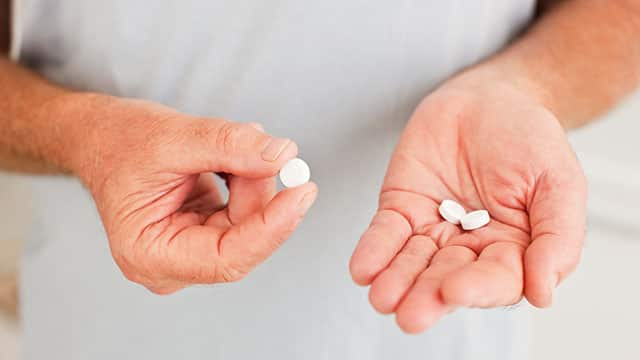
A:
(228, 135)
(200, 130)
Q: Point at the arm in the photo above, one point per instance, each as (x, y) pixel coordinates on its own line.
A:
(31, 140)
(493, 137)
(28, 139)
(579, 59)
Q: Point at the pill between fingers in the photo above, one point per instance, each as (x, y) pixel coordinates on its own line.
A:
(294, 173)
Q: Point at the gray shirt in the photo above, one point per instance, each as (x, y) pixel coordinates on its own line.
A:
(339, 77)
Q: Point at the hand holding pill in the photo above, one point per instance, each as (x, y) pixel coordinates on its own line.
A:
(483, 204)
(167, 224)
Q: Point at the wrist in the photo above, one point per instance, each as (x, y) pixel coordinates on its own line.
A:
(507, 79)
(74, 125)
(535, 81)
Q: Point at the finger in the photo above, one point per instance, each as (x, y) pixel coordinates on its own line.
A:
(250, 242)
(389, 287)
(419, 210)
(558, 217)
(221, 252)
(221, 146)
(380, 243)
(423, 305)
(495, 279)
(248, 196)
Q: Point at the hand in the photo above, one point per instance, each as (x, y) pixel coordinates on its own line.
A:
(487, 147)
(150, 169)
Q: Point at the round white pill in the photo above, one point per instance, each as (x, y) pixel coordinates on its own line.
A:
(475, 220)
(294, 173)
(451, 211)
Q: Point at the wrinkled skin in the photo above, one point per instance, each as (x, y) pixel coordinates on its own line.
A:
(151, 176)
(487, 148)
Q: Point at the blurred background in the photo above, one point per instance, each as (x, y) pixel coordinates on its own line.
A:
(595, 314)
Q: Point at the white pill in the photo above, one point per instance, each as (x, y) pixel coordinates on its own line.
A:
(475, 220)
(451, 211)
(294, 173)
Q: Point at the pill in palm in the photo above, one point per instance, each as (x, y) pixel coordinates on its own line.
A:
(451, 211)
(475, 219)
(294, 173)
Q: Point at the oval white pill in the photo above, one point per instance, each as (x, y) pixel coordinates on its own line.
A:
(294, 173)
(475, 220)
(451, 211)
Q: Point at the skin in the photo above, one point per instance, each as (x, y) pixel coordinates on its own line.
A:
(491, 137)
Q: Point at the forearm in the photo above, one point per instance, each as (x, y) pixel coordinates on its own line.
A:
(579, 59)
(38, 133)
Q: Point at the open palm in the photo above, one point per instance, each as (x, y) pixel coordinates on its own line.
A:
(495, 150)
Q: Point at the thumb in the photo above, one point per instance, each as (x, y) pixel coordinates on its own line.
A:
(242, 149)
(250, 242)
(219, 251)
(247, 196)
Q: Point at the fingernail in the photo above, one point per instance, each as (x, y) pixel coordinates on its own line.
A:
(307, 200)
(274, 148)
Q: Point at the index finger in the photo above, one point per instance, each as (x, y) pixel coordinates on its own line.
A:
(400, 215)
